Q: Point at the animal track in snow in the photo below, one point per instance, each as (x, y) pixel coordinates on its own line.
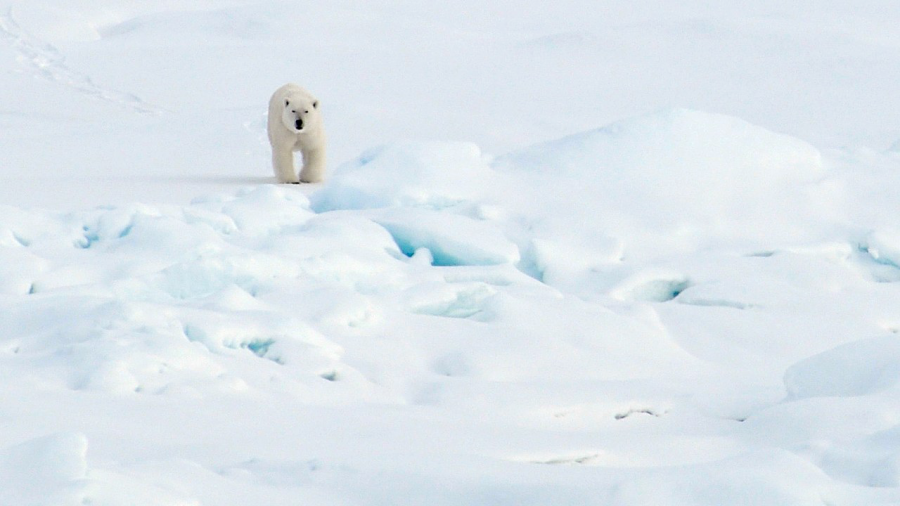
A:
(46, 62)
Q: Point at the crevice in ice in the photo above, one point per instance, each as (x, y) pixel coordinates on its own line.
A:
(881, 265)
(330, 376)
(21, 240)
(259, 347)
(125, 231)
(762, 254)
(656, 290)
(876, 256)
(439, 256)
(88, 239)
(529, 265)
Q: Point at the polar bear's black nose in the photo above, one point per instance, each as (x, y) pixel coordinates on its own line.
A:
(299, 124)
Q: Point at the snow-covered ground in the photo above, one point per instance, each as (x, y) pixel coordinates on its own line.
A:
(573, 253)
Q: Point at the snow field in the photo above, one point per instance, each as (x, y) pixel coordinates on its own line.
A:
(507, 339)
(680, 307)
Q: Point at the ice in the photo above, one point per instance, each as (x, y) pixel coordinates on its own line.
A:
(450, 239)
(678, 180)
(572, 333)
(580, 253)
(883, 247)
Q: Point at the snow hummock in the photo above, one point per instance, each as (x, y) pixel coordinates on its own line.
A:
(673, 182)
(678, 180)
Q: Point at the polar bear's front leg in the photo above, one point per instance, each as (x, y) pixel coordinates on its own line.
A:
(283, 163)
(313, 169)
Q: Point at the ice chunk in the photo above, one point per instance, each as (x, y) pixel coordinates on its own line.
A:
(451, 239)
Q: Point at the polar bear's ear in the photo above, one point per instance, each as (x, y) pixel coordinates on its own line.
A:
(316, 104)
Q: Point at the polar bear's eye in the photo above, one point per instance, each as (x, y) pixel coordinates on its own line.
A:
(287, 103)
(305, 112)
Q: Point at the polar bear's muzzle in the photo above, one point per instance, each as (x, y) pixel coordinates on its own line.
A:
(298, 124)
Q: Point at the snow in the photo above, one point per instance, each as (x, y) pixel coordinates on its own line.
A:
(580, 254)
(858, 368)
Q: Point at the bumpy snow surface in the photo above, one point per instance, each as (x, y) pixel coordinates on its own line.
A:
(494, 299)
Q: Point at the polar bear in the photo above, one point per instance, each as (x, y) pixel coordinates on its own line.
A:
(295, 124)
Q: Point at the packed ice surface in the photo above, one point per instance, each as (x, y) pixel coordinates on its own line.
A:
(579, 254)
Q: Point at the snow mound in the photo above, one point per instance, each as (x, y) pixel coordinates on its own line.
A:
(659, 153)
(871, 461)
(858, 368)
(678, 180)
(43, 468)
(433, 175)
(678, 174)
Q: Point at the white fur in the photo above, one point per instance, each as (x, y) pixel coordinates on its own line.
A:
(287, 105)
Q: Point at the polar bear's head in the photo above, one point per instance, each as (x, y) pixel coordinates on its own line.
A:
(300, 113)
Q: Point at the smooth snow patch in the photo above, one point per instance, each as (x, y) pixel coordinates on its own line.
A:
(858, 368)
